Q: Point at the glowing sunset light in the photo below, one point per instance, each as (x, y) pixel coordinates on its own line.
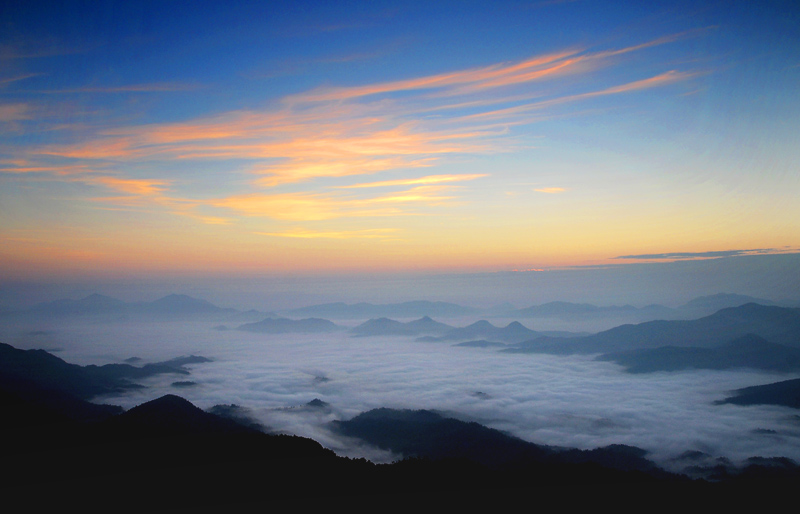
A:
(485, 141)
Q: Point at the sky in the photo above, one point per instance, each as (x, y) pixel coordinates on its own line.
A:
(302, 138)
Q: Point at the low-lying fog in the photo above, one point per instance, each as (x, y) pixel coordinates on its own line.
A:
(554, 400)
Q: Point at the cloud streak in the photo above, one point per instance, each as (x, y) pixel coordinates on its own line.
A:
(703, 255)
(430, 179)
(299, 233)
(132, 88)
(312, 140)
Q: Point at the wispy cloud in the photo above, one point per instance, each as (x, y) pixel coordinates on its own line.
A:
(8, 80)
(330, 133)
(430, 179)
(705, 255)
(15, 112)
(326, 206)
(550, 190)
(142, 187)
(132, 88)
(376, 233)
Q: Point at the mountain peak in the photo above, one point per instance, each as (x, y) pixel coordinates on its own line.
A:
(169, 415)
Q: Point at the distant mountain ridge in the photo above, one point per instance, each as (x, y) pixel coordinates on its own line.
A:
(172, 306)
(413, 309)
(749, 351)
(390, 327)
(514, 332)
(695, 308)
(290, 326)
(181, 306)
(775, 324)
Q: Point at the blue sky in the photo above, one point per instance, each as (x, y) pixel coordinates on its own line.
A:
(308, 137)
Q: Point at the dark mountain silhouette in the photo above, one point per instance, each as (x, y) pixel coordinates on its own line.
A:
(290, 326)
(776, 324)
(239, 414)
(749, 351)
(168, 455)
(514, 332)
(423, 433)
(390, 327)
(786, 393)
(169, 415)
(427, 434)
(25, 369)
(415, 309)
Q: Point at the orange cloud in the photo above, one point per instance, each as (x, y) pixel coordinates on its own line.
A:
(376, 233)
(25, 166)
(299, 206)
(144, 187)
(429, 194)
(15, 112)
(658, 80)
(550, 190)
(327, 134)
(319, 207)
(430, 179)
(491, 76)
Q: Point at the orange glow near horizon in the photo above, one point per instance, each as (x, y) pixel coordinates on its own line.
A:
(571, 155)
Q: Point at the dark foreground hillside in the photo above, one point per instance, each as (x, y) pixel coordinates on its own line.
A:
(168, 455)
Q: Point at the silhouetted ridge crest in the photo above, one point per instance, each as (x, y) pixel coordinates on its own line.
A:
(775, 324)
(173, 415)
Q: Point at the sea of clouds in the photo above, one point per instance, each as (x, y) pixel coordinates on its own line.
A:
(571, 401)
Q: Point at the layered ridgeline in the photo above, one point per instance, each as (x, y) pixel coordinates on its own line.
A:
(748, 351)
(100, 307)
(183, 307)
(695, 308)
(750, 336)
(167, 454)
(779, 325)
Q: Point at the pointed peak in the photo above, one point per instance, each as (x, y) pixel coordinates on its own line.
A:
(482, 324)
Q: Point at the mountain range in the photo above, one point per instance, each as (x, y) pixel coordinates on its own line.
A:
(290, 326)
(167, 454)
(170, 307)
(390, 327)
(775, 324)
(514, 332)
(413, 309)
(181, 306)
(748, 351)
(696, 308)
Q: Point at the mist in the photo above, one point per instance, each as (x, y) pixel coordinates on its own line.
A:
(669, 283)
(571, 401)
